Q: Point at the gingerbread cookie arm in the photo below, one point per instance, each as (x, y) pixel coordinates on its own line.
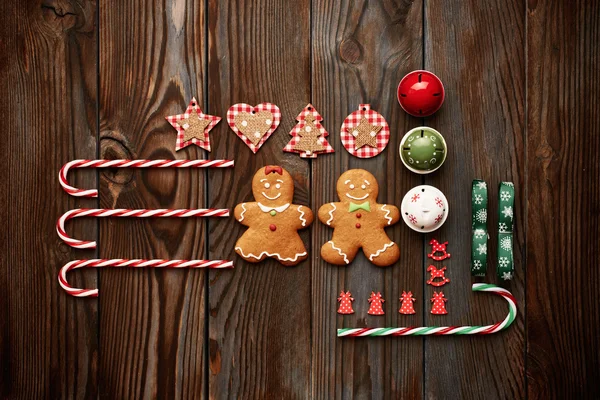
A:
(389, 213)
(305, 216)
(327, 213)
(245, 213)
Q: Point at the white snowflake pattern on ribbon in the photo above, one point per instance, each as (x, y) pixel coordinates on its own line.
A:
(506, 243)
(482, 248)
(476, 264)
(478, 199)
(508, 212)
(481, 185)
(503, 228)
(505, 196)
(507, 276)
(503, 261)
(481, 215)
(511, 184)
(479, 233)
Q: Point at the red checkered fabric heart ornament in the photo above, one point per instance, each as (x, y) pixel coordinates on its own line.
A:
(365, 133)
(255, 124)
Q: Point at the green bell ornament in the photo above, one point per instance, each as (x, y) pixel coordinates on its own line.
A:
(423, 150)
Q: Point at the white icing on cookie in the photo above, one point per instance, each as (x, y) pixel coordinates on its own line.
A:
(340, 252)
(278, 209)
(269, 197)
(302, 216)
(331, 214)
(385, 247)
(258, 257)
(242, 214)
(357, 198)
(387, 214)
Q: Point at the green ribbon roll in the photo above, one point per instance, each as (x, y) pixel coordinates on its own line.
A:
(506, 200)
(479, 233)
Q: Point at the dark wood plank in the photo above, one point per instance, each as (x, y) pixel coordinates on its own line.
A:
(259, 323)
(152, 322)
(563, 222)
(361, 50)
(478, 52)
(48, 345)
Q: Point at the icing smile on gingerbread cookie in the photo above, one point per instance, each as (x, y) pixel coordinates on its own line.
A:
(267, 185)
(272, 221)
(352, 186)
(359, 222)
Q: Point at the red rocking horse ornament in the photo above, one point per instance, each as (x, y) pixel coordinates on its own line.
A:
(438, 247)
(437, 273)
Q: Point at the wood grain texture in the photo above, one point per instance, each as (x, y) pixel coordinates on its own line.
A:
(482, 64)
(259, 322)
(153, 321)
(563, 199)
(48, 340)
(361, 50)
(85, 80)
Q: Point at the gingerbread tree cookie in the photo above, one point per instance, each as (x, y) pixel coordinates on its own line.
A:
(273, 221)
(359, 222)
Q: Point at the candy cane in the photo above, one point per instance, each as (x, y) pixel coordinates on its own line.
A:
(444, 330)
(122, 212)
(97, 263)
(73, 191)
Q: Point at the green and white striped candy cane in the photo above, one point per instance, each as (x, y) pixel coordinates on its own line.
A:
(505, 268)
(444, 330)
(479, 232)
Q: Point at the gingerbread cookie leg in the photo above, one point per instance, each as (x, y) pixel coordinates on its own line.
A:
(381, 251)
(338, 252)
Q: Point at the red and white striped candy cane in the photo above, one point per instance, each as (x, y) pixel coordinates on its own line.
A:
(98, 263)
(445, 330)
(73, 191)
(122, 212)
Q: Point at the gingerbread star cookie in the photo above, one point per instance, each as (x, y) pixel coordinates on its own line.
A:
(272, 220)
(193, 126)
(358, 221)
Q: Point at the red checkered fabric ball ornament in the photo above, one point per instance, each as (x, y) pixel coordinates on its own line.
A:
(365, 132)
(421, 93)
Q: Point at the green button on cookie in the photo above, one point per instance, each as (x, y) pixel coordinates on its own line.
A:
(423, 150)
(273, 213)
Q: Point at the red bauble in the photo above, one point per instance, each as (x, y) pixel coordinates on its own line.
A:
(420, 93)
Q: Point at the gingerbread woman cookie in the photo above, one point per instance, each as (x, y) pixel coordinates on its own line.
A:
(272, 221)
(359, 222)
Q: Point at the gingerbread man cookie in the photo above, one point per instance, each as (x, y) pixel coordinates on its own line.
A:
(359, 222)
(272, 221)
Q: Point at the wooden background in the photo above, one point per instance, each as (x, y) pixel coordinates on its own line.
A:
(84, 79)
